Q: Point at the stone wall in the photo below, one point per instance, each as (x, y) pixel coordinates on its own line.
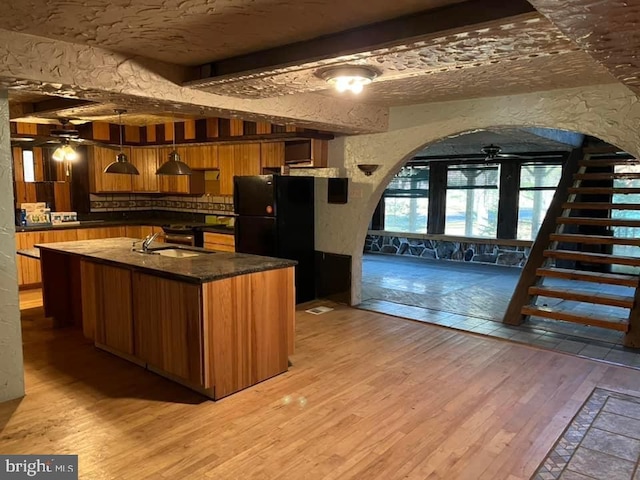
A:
(459, 251)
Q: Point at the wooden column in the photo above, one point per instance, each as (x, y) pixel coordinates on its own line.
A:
(437, 197)
(509, 198)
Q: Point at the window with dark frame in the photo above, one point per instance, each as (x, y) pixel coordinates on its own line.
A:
(471, 198)
(406, 201)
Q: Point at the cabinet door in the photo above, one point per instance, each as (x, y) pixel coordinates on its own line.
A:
(219, 241)
(107, 314)
(202, 157)
(99, 159)
(172, 183)
(247, 159)
(146, 161)
(272, 154)
(227, 168)
(168, 326)
(96, 233)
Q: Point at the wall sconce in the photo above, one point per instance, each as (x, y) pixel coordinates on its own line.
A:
(348, 78)
(368, 168)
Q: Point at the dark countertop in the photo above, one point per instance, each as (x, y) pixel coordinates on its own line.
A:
(200, 269)
(123, 223)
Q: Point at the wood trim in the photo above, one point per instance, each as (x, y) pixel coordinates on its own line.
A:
(528, 276)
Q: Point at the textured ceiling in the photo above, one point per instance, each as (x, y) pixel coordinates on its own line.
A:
(494, 44)
(608, 30)
(191, 32)
(521, 75)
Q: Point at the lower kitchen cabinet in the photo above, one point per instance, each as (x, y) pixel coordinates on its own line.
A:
(106, 306)
(219, 241)
(168, 326)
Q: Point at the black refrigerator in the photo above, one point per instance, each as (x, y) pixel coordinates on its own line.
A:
(275, 218)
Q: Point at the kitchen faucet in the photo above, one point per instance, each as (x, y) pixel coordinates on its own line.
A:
(148, 240)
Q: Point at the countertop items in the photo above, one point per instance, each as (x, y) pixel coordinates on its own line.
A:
(198, 269)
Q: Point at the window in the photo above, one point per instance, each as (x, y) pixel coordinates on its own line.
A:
(538, 182)
(472, 200)
(626, 232)
(406, 201)
(28, 167)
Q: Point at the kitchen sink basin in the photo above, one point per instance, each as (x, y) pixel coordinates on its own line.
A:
(179, 253)
(175, 252)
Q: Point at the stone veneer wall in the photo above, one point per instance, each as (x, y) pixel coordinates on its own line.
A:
(213, 205)
(460, 251)
(11, 367)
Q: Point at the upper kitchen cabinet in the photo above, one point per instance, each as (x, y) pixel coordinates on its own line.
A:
(271, 155)
(243, 159)
(306, 153)
(201, 157)
(146, 161)
(180, 184)
(99, 182)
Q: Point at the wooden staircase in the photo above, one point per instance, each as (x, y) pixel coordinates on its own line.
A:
(538, 285)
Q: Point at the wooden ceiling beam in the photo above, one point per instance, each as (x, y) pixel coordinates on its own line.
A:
(379, 35)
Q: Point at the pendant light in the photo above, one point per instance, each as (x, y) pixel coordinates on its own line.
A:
(174, 166)
(121, 165)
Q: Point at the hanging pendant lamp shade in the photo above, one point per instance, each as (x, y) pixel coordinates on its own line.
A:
(174, 166)
(121, 165)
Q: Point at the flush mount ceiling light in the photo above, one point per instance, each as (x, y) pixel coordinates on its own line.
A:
(65, 153)
(121, 165)
(348, 78)
(174, 166)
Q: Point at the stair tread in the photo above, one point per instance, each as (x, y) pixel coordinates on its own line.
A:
(606, 162)
(591, 257)
(609, 222)
(601, 206)
(604, 190)
(612, 323)
(606, 176)
(597, 239)
(587, 276)
(624, 301)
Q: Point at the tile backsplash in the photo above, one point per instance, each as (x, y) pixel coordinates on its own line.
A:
(208, 204)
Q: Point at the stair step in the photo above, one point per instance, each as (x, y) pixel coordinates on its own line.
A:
(606, 176)
(594, 239)
(600, 150)
(605, 222)
(612, 323)
(592, 257)
(600, 206)
(622, 301)
(608, 162)
(587, 276)
(604, 190)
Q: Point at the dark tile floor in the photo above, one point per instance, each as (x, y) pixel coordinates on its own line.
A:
(601, 442)
(473, 298)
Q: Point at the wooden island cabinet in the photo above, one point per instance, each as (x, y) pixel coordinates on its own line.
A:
(217, 322)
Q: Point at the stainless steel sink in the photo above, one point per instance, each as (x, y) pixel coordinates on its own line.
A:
(175, 252)
(178, 253)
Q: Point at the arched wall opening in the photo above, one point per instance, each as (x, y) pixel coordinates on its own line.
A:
(609, 112)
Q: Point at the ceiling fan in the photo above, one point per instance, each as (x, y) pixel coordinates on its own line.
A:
(492, 152)
(67, 134)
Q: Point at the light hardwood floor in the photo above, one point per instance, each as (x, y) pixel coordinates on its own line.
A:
(367, 397)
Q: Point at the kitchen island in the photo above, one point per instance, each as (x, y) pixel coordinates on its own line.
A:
(217, 322)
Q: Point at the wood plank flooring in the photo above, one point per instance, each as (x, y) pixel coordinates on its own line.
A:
(368, 397)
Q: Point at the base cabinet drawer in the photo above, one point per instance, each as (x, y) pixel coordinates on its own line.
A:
(219, 241)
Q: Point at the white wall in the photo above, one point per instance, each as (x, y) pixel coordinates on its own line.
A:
(11, 368)
(609, 112)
